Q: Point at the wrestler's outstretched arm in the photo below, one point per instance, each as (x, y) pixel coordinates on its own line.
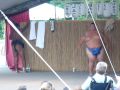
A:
(79, 44)
(81, 41)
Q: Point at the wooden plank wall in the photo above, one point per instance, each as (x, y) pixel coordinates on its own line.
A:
(61, 50)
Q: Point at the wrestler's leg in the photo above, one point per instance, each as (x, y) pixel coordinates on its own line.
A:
(91, 61)
(21, 54)
(17, 61)
(15, 54)
(100, 57)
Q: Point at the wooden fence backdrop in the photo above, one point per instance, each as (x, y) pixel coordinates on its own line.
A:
(61, 50)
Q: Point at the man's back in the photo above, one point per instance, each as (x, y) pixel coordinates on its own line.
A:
(98, 78)
(101, 86)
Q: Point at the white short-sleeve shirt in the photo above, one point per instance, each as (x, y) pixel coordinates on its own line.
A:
(98, 78)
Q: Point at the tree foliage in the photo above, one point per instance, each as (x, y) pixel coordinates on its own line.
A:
(1, 30)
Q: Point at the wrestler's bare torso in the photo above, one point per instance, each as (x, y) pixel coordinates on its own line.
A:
(92, 39)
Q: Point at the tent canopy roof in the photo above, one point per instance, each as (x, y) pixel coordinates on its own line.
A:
(5, 4)
(16, 6)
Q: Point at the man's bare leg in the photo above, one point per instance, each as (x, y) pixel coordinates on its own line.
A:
(91, 62)
(15, 54)
(100, 57)
(17, 60)
(91, 67)
(21, 54)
